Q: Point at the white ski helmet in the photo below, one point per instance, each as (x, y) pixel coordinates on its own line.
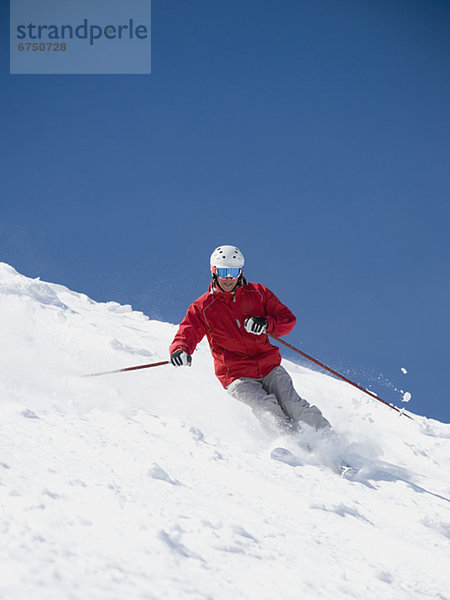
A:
(226, 256)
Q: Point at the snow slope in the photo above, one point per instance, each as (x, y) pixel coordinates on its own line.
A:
(155, 484)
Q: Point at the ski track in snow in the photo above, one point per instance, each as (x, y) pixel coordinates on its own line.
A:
(157, 485)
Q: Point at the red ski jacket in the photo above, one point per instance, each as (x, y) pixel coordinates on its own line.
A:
(220, 316)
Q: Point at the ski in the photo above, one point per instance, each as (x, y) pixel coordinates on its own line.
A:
(285, 456)
(347, 471)
(280, 454)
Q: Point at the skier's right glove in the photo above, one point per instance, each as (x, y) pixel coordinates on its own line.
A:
(180, 358)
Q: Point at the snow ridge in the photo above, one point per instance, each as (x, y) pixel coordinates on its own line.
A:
(156, 484)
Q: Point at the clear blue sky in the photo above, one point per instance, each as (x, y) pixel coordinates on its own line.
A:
(313, 135)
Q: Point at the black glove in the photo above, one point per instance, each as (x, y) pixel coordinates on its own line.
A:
(180, 358)
(256, 325)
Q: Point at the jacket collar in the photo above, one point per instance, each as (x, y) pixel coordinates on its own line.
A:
(227, 296)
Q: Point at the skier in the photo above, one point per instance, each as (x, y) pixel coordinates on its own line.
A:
(236, 316)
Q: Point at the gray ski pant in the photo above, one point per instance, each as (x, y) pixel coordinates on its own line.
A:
(275, 395)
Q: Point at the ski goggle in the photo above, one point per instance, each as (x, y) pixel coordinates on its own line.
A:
(224, 272)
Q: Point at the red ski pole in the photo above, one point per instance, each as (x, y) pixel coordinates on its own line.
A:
(157, 364)
(317, 362)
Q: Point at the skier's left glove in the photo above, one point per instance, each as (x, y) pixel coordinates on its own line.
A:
(256, 325)
(180, 358)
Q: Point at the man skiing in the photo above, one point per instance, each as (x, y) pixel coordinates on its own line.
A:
(236, 316)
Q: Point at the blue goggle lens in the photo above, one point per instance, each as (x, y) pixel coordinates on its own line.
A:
(231, 272)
